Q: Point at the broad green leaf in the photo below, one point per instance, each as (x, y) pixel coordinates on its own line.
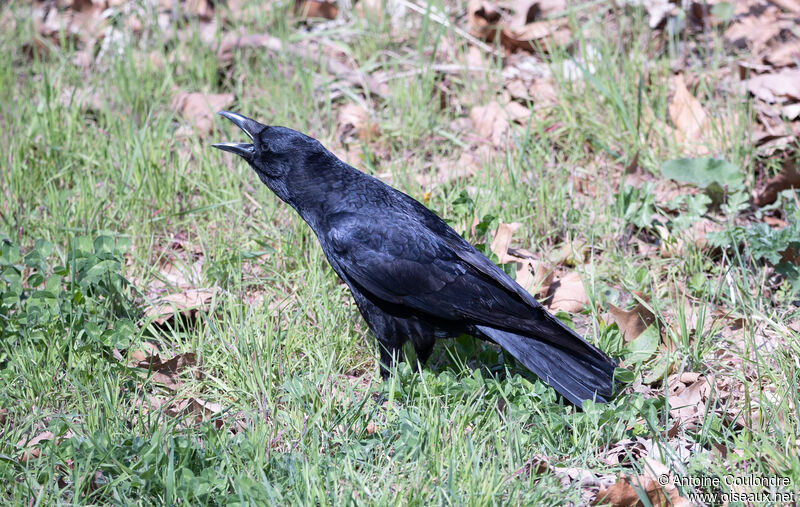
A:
(642, 348)
(705, 172)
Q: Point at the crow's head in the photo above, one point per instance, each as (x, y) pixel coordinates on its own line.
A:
(283, 158)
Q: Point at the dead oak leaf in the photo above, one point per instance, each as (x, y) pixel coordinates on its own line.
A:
(542, 35)
(168, 372)
(788, 177)
(784, 55)
(687, 396)
(191, 299)
(632, 322)
(487, 21)
(631, 491)
(502, 240)
(490, 122)
(462, 168)
(783, 86)
(568, 294)
(686, 112)
(534, 277)
(353, 122)
(232, 41)
(29, 449)
(199, 109)
(323, 9)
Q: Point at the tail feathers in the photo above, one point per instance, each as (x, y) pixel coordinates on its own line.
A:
(577, 375)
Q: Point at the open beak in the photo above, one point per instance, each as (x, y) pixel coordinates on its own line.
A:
(250, 127)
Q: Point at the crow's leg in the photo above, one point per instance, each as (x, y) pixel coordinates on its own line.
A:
(389, 356)
(423, 351)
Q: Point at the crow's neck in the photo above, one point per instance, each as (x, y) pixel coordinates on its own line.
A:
(323, 190)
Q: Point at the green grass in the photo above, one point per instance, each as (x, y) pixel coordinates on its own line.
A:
(295, 372)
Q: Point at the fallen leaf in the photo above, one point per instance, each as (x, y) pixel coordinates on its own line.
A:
(354, 122)
(784, 55)
(533, 37)
(30, 450)
(3, 415)
(168, 372)
(788, 177)
(536, 465)
(233, 41)
(534, 277)
(490, 122)
(790, 6)
(778, 87)
(568, 294)
(370, 428)
(449, 170)
(315, 9)
(199, 109)
(570, 253)
(623, 493)
(685, 111)
(501, 241)
(202, 9)
(190, 299)
(687, 394)
(753, 29)
(147, 351)
(632, 322)
(699, 230)
(486, 21)
(791, 111)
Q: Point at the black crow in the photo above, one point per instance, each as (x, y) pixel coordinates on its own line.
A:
(412, 276)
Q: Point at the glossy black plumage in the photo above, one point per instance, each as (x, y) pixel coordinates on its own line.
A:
(412, 276)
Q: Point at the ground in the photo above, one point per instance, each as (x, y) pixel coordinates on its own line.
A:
(171, 333)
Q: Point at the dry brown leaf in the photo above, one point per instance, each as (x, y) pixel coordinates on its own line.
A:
(570, 253)
(354, 122)
(202, 9)
(147, 351)
(788, 177)
(3, 415)
(233, 41)
(688, 393)
(632, 322)
(791, 6)
(30, 450)
(490, 122)
(486, 21)
(83, 99)
(168, 372)
(315, 9)
(517, 112)
(199, 109)
(755, 28)
(501, 241)
(190, 299)
(568, 294)
(449, 170)
(623, 494)
(537, 465)
(783, 86)
(685, 111)
(540, 35)
(791, 111)
(370, 428)
(534, 277)
(784, 55)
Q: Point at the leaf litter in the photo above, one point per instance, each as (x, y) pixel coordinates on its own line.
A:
(525, 32)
